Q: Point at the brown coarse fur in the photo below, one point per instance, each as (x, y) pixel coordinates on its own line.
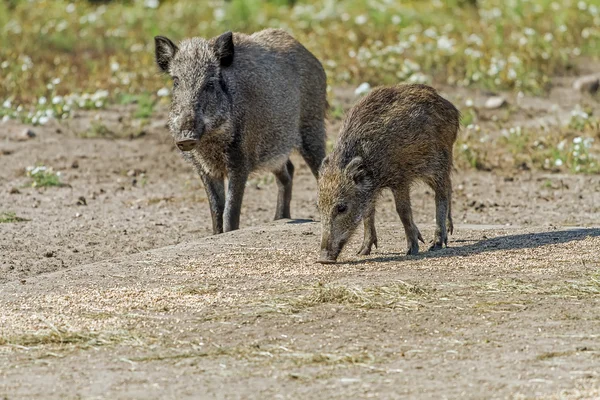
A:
(391, 138)
(241, 103)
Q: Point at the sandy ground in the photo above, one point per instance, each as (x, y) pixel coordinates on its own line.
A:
(126, 295)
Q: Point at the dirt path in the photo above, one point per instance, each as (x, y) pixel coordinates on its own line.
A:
(503, 313)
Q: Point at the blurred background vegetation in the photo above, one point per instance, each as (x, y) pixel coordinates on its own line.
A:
(56, 47)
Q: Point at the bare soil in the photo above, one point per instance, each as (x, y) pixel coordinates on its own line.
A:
(123, 294)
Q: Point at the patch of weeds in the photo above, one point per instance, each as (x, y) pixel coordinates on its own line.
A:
(97, 130)
(582, 120)
(336, 112)
(550, 150)
(145, 106)
(42, 176)
(9, 217)
(398, 295)
(263, 180)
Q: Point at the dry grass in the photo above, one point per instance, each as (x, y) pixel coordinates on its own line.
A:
(397, 295)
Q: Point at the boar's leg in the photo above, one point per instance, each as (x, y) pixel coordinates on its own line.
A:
(313, 145)
(442, 212)
(215, 191)
(370, 237)
(402, 197)
(235, 195)
(284, 177)
(450, 223)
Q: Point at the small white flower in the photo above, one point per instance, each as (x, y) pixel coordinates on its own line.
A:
(444, 43)
(396, 19)
(585, 33)
(529, 31)
(114, 66)
(363, 88)
(577, 140)
(70, 8)
(57, 99)
(219, 14)
(43, 119)
(561, 145)
(164, 92)
(548, 37)
(558, 162)
(582, 5)
(469, 103)
(99, 104)
(151, 3)
(512, 74)
(361, 19)
(42, 100)
(6, 103)
(523, 41)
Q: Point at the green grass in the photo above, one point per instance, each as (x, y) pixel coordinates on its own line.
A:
(42, 176)
(8, 217)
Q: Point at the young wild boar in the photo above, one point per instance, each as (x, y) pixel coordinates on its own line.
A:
(242, 103)
(389, 139)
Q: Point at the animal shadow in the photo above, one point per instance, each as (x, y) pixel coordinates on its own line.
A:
(509, 242)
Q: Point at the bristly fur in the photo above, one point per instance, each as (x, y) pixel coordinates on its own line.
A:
(394, 135)
(247, 101)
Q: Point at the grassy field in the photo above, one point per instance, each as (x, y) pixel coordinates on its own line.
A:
(60, 48)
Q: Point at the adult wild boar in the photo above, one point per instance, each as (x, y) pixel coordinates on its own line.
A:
(241, 103)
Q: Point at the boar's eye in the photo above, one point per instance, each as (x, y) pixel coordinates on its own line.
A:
(175, 82)
(341, 208)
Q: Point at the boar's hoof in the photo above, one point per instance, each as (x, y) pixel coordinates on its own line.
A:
(436, 246)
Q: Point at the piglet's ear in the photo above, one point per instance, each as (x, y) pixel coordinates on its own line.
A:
(164, 50)
(358, 172)
(224, 48)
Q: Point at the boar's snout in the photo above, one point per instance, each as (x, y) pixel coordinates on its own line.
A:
(189, 133)
(187, 144)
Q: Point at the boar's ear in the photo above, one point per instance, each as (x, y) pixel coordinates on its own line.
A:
(357, 170)
(164, 51)
(324, 163)
(224, 49)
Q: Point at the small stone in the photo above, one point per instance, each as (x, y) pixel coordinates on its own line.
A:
(77, 215)
(589, 84)
(23, 281)
(27, 134)
(81, 201)
(14, 191)
(495, 102)
(75, 164)
(49, 254)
